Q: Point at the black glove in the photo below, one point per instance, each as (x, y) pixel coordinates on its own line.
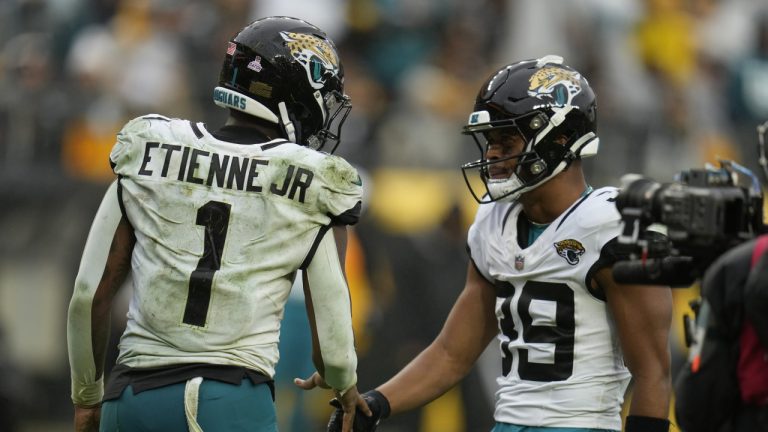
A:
(377, 403)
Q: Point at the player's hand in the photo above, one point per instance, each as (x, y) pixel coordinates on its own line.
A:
(365, 420)
(350, 411)
(87, 418)
(313, 381)
(347, 405)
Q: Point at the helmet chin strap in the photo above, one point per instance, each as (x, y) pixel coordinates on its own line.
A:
(290, 130)
(553, 122)
(585, 146)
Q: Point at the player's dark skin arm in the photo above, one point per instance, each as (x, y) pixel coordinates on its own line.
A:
(116, 270)
(467, 331)
(317, 358)
(643, 315)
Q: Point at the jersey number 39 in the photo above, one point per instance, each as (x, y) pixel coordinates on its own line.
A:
(546, 312)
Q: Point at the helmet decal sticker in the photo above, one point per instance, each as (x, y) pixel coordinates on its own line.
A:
(556, 85)
(231, 48)
(570, 249)
(479, 117)
(255, 64)
(316, 55)
(261, 89)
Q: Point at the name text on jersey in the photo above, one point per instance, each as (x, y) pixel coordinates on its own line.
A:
(226, 171)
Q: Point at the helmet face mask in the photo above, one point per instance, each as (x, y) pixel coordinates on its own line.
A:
(286, 71)
(550, 106)
(337, 107)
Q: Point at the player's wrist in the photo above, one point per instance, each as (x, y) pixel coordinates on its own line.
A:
(340, 393)
(646, 424)
(378, 403)
(87, 406)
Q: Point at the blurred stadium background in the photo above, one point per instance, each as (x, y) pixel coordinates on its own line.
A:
(679, 83)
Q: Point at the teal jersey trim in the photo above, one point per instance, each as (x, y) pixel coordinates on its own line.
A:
(506, 427)
(535, 230)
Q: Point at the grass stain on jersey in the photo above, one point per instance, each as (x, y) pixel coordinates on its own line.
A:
(339, 173)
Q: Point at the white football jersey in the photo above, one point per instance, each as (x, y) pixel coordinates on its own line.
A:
(561, 361)
(221, 229)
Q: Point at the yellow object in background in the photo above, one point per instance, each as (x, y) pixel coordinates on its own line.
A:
(445, 414)
(407, 201)
(665, 39)
(85, 151)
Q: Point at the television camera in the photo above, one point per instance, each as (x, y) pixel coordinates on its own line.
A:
(702, 214)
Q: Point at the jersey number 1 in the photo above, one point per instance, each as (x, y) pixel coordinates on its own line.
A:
(214, 216)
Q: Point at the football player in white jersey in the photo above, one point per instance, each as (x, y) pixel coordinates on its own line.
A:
(212, 227)
(539, 279)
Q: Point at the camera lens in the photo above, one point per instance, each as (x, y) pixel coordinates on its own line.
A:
(638, 194)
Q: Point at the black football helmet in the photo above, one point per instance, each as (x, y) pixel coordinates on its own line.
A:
(541, 100)
(286, 71)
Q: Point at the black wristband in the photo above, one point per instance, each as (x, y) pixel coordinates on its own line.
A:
(378, 403)
(646, 424)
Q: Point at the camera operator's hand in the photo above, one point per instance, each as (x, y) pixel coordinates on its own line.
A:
(377, 407)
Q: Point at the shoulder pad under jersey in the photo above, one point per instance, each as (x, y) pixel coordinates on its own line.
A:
(123, 148)
(599, 208)
(342, 192)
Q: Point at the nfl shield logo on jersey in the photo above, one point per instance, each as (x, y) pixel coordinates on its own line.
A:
(519, 262)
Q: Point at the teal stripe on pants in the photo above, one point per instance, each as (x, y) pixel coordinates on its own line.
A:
(506, 427)
(221, 407)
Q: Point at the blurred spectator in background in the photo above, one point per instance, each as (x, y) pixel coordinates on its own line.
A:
(681, 84)
(747, 90)
(12, 392)
(750, 97)
(134, 64)
(666, 49)
(33, 109)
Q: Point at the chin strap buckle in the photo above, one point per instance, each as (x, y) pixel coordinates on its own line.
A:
(290, 130)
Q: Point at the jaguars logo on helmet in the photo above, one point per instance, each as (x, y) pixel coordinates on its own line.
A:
(318, 58)
(555, 84)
